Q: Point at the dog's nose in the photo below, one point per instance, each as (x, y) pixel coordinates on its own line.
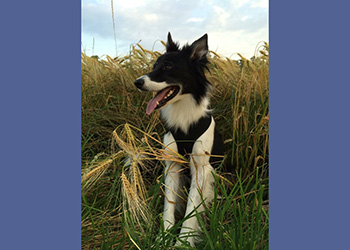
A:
(139, 82)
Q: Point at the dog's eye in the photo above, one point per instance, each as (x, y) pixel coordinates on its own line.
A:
(167, 66)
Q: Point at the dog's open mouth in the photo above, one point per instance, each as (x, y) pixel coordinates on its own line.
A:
(161, 98)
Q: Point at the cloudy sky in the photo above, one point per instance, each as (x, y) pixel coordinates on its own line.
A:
(233, 26)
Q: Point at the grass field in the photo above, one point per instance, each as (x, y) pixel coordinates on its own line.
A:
(122, 205)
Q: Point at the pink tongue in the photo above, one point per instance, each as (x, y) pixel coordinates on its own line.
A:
(152, 104)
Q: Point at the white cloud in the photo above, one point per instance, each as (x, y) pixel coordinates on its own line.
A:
(229, 43)
(260, 4)
(232, 26)
(97, 20)
(239, 3)
(150, 17)
(195, 20)
(129, 4)
(244, 18)
(221, 14)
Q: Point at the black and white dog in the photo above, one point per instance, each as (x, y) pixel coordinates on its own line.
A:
(182, 95)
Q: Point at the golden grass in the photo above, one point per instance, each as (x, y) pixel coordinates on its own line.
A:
(115, 126)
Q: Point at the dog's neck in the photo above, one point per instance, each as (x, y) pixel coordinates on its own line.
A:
(185, 112)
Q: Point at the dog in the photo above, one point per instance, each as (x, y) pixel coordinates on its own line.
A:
(182, 96)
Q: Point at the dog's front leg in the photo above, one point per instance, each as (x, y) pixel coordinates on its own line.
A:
(201, 192)
(173, 184)
(172, 193)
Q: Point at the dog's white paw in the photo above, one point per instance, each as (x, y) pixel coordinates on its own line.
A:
(189, 241)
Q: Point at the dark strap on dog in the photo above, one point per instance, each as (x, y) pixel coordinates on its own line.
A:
(185, 141)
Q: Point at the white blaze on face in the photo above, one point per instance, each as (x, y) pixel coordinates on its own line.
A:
(152, 86)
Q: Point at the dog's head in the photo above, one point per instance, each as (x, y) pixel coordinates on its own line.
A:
(176, 73)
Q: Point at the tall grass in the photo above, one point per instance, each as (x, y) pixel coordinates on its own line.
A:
(122, 203)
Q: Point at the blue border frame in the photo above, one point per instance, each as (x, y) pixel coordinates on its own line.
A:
(309, 138)
(40, 125)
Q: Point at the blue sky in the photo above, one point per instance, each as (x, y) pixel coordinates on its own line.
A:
(233, 26)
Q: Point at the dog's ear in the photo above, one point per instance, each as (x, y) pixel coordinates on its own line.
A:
(170, 45)
(199, 48)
